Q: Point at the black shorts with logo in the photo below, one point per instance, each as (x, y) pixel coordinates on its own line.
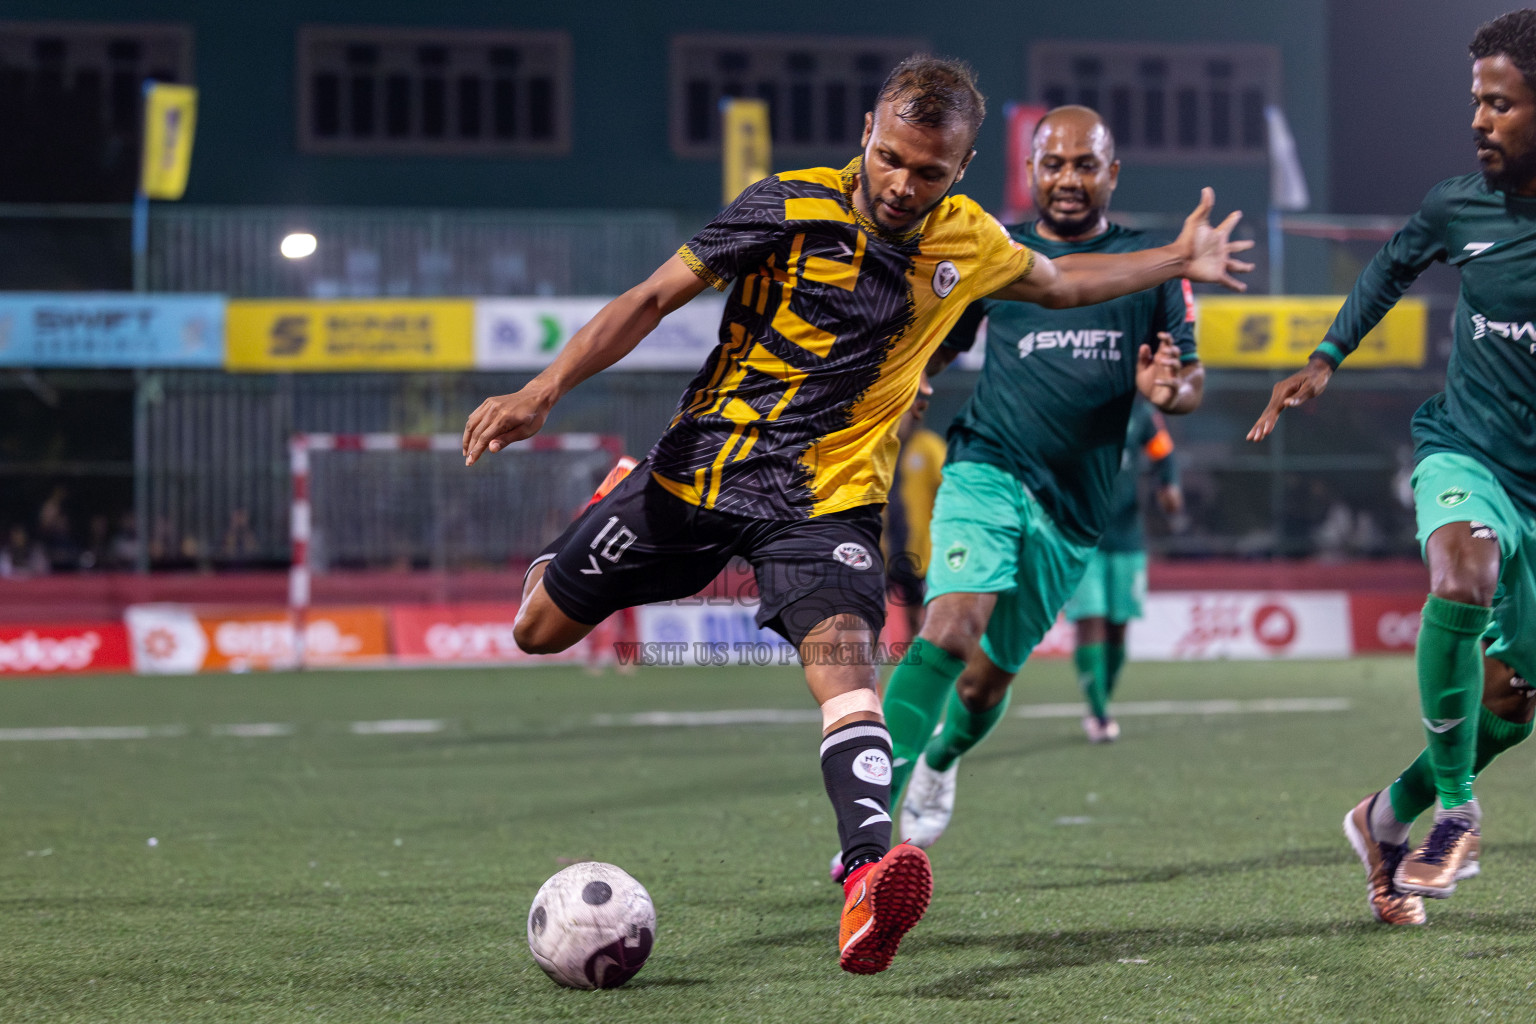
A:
(642, 544)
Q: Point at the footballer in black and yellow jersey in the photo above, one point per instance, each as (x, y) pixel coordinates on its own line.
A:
(829, 323)
(842, 283)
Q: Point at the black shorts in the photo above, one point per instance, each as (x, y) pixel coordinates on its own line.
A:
(642, 544)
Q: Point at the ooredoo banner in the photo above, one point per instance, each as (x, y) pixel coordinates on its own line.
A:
(50, 649)
(1385, 620)
(1185, 626)
(476, 632)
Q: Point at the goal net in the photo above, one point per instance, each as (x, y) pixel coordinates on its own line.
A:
(406, 502)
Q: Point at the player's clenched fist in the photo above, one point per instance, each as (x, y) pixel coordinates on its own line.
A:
(500, 421)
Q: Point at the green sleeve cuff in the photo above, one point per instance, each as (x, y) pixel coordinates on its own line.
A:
(1331, 352)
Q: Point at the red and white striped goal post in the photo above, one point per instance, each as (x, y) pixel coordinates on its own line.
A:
(301, 445)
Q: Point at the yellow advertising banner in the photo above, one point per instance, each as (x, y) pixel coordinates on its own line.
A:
(283, 335)
(1279, 332)
(170, 117)
(747, 146)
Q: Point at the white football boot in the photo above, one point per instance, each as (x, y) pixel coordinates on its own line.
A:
(930, 803)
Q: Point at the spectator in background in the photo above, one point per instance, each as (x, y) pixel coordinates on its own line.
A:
(53, 533)
(22, 557)
(125, 542)
(919, 469)
(240, 547)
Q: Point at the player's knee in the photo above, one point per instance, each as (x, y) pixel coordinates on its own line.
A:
(1464, 588)
(1507, 695)
(954, 629)
(535, 636)
(541, 628)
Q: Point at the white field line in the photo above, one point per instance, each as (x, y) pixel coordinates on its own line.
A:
(93, 732)
(744, 716)
(1131, 708)
(255, 729)
(396, 726)
(795, 716)
(674, 719)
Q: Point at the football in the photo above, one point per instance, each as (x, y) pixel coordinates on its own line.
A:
(591, 926)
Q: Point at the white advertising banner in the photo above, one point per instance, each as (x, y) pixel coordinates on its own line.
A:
(165, 639)
(702, 634)
(1258, 625)
(525, 334)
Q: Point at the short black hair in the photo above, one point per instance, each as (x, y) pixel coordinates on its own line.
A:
(1511, 35)
(935, 91)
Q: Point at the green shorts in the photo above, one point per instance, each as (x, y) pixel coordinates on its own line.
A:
(1112, 588)
(1454, 488)
(990, 536)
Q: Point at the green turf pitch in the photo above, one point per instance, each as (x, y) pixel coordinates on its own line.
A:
(1194, 871)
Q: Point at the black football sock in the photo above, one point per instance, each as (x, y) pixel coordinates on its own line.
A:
(856, 768)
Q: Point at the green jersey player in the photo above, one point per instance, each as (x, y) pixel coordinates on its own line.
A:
(1111, 591)
(1030, 475)
(1474, 482)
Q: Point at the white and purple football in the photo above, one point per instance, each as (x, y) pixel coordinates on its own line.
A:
(591, 926)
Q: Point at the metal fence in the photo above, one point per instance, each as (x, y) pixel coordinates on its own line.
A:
(214, 485)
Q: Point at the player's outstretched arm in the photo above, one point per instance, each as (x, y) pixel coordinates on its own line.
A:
(605, 339)
(1201, 253)
(1303, 385)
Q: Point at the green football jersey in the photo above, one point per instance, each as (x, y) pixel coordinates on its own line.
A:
(1145, 439)
(1055, 395)
(1488, 407)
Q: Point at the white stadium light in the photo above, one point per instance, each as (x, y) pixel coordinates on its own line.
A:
(298, 245)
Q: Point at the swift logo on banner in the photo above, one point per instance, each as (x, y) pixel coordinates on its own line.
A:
(109, 330)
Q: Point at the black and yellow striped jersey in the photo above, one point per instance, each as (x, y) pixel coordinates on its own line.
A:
(828, 325)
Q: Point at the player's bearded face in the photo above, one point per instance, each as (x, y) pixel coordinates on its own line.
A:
(1073, 174)
(908, 169)
(1504, 125)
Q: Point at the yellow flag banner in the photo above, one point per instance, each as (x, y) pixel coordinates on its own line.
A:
(1279, 332)
(748, 148)
(170, 117)
(284, 335)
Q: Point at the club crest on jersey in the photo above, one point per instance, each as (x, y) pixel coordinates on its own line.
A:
(945, 276)
(1453, 496)
(956, 555)
(873, 767)
(854, 556)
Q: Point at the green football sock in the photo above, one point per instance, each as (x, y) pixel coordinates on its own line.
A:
(1114, 661)
(1092, 676)
(914, 699)
(1450, 665)
(963, 729)
(1414, 791)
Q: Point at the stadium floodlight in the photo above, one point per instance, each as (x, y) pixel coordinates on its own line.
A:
(298, 245)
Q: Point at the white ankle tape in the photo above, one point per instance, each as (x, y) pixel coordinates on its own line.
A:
(845, 704)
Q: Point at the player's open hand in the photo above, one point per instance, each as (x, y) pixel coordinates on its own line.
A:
(1157, 373)
(1209, 250)
(1301, 386)
(500, 421)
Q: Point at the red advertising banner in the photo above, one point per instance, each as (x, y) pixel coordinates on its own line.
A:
(464, 633)
(52, 649)
(1019, 124)
(1385, 620)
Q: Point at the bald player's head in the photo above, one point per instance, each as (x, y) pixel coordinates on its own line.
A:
(1073, 172)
